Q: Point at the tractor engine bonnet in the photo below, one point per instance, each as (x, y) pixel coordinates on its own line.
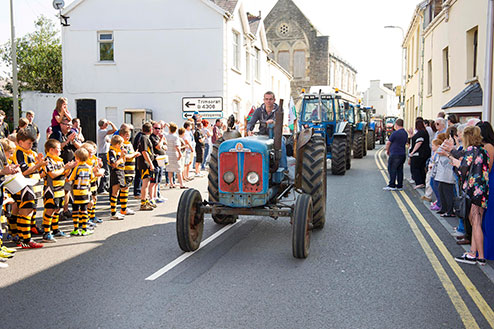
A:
(241, 157)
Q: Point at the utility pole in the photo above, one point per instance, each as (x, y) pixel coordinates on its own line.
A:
(15, 83)
(487, 101)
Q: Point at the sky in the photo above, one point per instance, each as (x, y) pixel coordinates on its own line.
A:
(355, 27)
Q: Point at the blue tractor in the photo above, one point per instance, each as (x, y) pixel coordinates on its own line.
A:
(245, 178)
(357, 121)
(324, 113)
(371, 126)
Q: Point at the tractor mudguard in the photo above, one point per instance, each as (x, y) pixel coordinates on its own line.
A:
(339, 135)
(304, 137)
(340, 127)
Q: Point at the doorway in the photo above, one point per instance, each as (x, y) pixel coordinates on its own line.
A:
(86, 112)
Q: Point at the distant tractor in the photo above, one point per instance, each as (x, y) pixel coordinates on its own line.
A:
(371, 124)
(324, 112)
(246, 178)
(389, 123)
(357, 120)
(379, 130)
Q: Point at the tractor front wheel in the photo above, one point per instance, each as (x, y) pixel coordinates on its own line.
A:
(371, 141)
(190, 220)
(338, 156)
(301, 221)
(348, 132)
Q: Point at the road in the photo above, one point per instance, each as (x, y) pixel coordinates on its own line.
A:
(383, 260)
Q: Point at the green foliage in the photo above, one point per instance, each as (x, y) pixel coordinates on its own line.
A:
(39, 58)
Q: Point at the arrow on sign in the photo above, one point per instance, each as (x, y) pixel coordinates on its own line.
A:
(189, 104)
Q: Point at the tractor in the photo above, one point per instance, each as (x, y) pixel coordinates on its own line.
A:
(325, 114)
(246, 178)
(389, 122)
(357, 121)
(371, 124)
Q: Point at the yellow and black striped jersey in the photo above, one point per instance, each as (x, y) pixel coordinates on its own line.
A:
(112, 156)
(81, 181)
(130, 164)
(54, 185)
(27, 159)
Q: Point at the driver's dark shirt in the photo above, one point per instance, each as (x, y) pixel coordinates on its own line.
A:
(261, 115)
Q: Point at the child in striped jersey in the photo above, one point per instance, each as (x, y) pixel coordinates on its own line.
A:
(129, 170)
(10, 207)
(6, 168)
(30, 164)
(96, 164)
(116, 161)
(54, 175)
(80, 178)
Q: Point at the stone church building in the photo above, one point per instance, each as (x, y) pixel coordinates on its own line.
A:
(301, 49)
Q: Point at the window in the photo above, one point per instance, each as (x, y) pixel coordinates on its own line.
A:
(445, 68)
(236, 108)
(472, 52)
(257, 61)
(105, 40)
(284, 59)
(382, 96)
(247, 66)
(299, 64)
(236, 50)
(429, 77)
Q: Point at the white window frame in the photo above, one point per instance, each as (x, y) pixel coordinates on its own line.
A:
(106, 41)
(257, 60)
(248, 69)
(236, 43)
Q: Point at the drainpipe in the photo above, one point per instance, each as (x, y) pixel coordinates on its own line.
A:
(487, 101)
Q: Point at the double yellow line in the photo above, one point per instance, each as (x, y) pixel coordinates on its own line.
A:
(456, 299)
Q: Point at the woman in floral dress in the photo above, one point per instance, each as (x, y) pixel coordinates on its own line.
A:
(473, 170)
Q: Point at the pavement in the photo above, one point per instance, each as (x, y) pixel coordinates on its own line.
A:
(383, 260)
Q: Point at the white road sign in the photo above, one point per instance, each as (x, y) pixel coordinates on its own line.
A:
(212, 104)
(204, 114)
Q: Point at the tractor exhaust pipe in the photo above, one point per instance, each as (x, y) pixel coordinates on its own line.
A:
(278, 134)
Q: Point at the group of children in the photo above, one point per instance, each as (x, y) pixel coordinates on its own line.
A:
(53, 179)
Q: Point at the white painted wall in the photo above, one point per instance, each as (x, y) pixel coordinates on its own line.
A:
(387, 105)
(42, 105)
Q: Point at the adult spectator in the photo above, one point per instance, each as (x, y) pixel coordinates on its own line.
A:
(158, 141)
(189, 152)
(137, 177)
(4, 127)
(440, 126)
(216, 131)
(396, 150)
(208, 146)
(174, 156)
(106, 129)
(473, 172)
(429, 129)
(59, 114)
(473, 122)
(452, 120)
(200, 141)
(76, 127)
(441, 114)
(33, 128)
(420, 152)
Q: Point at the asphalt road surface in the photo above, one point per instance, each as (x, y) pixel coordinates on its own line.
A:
(383, 260)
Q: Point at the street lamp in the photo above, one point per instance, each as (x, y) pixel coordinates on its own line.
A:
(402, 79)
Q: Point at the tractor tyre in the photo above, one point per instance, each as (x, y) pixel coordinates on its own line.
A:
(190, 220)
(301, 226)
(213, 190)
(338, 156)
(371, 140)
(364, 144)
(348, 149)
(314, 177)
(358, 145)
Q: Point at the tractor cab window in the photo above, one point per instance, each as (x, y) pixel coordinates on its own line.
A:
(363, 116)
(350, 116)
(311, 110)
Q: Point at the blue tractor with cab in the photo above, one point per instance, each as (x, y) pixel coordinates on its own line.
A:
(324, 113)
(246, 178)
(356, 118)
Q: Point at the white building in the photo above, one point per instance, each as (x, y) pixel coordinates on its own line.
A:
(129, 60)
(382, 98)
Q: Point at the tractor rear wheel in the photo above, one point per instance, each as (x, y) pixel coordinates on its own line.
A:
(364, 144)
(371, 142)
(213, 190)
(358, 145)
(338, 156)
(301, 221)
(190, 220)
(314, 176)
(348, 132)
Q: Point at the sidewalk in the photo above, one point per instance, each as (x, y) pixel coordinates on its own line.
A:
(448, 223)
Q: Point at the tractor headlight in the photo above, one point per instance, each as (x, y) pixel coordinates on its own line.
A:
(252, 178)
(229, 177)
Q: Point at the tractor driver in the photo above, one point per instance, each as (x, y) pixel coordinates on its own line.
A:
(265, 114)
